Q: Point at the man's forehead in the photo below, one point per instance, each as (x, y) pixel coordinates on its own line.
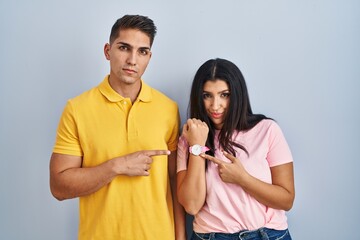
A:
(133, 38)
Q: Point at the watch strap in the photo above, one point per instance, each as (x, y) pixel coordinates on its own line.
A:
(204, 149)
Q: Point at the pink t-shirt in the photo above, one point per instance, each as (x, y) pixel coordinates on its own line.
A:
(228, 208)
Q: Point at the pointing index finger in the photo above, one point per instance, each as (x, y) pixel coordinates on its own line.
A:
(151, 153)
(211, 158)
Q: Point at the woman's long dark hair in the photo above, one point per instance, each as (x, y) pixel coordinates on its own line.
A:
(239, 114)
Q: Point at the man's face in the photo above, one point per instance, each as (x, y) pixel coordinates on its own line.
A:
(129, 55)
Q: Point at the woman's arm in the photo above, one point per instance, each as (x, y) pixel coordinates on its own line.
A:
(279, 195)
(191, 183)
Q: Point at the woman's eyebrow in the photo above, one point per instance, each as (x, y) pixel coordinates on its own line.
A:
(222, 91)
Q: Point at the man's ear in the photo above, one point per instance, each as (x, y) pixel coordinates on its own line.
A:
(106, 51)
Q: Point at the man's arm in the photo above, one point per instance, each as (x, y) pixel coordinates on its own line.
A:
(179, 213)
(69, 180)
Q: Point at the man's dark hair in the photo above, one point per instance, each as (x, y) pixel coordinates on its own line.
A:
(141, 23)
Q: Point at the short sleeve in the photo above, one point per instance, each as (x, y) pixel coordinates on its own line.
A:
(182, 154)
(173, 141)
(279, 151)
(67, 138)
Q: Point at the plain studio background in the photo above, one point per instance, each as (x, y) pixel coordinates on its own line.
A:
(300, 60)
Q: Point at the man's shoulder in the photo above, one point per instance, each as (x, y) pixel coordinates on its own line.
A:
(85, 96)
(160, 96)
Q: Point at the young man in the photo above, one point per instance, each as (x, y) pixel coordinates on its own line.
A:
(116, 147)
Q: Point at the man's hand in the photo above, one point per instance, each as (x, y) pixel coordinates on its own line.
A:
(139, 163)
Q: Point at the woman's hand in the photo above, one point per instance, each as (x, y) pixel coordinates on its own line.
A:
(195, 131)
(232, 172)
(278, 194)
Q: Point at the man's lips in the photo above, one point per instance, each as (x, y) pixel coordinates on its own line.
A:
(128, 70)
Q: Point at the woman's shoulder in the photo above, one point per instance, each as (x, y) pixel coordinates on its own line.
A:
(265, 124)
(262, 128)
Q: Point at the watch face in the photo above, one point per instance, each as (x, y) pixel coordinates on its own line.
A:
(196, 149)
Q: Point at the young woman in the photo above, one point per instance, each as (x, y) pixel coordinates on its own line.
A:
(235, 169)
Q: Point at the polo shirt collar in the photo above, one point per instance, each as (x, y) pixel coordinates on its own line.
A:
(106, 90)
(145, 93)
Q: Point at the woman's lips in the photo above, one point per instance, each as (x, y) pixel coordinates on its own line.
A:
(216, 115)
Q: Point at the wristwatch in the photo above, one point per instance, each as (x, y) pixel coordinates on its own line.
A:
(198, 149)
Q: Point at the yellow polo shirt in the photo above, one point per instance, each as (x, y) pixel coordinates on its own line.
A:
(100, 125)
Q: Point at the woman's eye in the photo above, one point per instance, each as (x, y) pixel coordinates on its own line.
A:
(225, 95)
(206, 95)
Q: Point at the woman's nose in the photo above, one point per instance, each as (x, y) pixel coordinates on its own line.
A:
(216, 103)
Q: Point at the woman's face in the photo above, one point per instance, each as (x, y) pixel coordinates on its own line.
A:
(216, 97)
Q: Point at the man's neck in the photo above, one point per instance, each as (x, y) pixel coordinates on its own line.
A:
(126, 90)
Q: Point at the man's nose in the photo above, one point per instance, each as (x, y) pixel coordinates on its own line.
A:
(132, 58)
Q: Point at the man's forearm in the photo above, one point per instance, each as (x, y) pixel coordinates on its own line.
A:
(78, 181)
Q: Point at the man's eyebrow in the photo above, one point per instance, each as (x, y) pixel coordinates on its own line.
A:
(145, 48)
(129, 46)
(123, 43)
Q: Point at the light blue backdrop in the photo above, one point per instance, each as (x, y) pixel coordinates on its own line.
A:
(300, 59)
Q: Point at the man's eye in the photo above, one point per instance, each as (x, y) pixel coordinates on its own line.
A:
(144, 52)
(123, 48)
